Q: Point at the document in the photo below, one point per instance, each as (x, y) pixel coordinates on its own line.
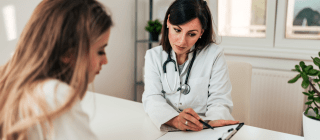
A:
(206, 134)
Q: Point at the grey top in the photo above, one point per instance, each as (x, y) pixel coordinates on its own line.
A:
(181, 67)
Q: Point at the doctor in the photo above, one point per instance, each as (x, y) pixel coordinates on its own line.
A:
(187, 76)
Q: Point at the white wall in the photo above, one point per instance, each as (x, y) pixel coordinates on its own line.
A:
(23, 10)
(116, 78)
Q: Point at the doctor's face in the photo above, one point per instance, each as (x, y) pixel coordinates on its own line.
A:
(183, 37)
(98, 55)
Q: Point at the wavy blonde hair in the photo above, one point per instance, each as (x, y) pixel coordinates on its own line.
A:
(56, 29)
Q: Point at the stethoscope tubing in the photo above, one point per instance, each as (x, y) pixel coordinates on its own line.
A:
(186, 88)
(175, 81)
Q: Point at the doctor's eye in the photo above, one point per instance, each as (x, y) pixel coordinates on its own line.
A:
(177, 30)
(101, 52)
(192, 35)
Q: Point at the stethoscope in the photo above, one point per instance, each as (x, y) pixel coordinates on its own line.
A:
(184, 88)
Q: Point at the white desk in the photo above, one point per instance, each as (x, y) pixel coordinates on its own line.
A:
(120, 119)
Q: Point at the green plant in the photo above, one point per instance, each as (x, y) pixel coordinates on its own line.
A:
(154, 26)
(308, 74)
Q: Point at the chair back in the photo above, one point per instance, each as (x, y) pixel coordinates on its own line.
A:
(240, 77)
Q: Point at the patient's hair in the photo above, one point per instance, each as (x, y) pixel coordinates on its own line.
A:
(183, 11)
(56, 29)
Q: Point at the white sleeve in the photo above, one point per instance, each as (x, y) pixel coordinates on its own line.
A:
(155, 105)
(72, 125)
(219, 104)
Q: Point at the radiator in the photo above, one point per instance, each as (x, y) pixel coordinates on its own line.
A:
(275, 104)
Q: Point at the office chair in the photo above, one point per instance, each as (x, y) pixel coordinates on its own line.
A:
(240, 77)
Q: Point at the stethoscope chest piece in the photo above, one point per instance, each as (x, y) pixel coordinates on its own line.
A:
(185, 89)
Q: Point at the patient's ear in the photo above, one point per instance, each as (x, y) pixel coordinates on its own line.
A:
(68, 57)
(65, 59)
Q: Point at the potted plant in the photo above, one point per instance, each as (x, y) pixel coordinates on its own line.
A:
(310, 77)
(154, 28)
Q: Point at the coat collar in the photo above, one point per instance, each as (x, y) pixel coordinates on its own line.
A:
(190, 55)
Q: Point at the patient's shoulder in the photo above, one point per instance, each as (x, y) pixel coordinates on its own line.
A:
(55, 91)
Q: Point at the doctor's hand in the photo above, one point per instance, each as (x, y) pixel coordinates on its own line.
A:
(188, 119)
(217, 123)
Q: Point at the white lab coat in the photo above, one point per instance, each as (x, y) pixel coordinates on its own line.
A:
(210, 94)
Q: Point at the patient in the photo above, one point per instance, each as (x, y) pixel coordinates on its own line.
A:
(60, 51)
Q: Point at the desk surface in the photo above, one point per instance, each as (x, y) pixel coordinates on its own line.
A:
(119, 119)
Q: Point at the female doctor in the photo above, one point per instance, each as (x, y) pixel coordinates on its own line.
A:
(187, 76)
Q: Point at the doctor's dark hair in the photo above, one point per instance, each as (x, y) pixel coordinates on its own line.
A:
(183, 11)
(54, 44)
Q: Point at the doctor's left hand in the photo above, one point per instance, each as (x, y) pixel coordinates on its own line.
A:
(217, 123)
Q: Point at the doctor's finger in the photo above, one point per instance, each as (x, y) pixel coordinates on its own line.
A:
(192, 112)
(191, 119)
(230, 122)
(217, 123)
(189, 126)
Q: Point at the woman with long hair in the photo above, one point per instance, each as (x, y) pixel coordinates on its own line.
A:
(60, 51)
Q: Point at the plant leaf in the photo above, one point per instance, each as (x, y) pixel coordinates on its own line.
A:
(308, 68)
(305, 93)
(311, 117)
(316, 110)
(311, 92)
(316, 80)
(316, 61)
(317, 99)
(293, 80)
(304, 84)
(310, 98)
(297, 68)
(306, 112)
(302, 65)
(305, 76)
(313, 72)
(309, 103)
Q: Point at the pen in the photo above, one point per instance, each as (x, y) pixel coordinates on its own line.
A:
(234, 131)
(207, 125)
(204, 123)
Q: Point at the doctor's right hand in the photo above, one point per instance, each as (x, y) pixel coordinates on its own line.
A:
(188, 119)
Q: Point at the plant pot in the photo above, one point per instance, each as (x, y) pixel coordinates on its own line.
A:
(311, 127)
(154, 36)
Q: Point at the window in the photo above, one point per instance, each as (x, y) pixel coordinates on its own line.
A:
(293, 33)
(244, 18)
(242, 21)
(268, 24)
(303, 19)
(10, 22)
